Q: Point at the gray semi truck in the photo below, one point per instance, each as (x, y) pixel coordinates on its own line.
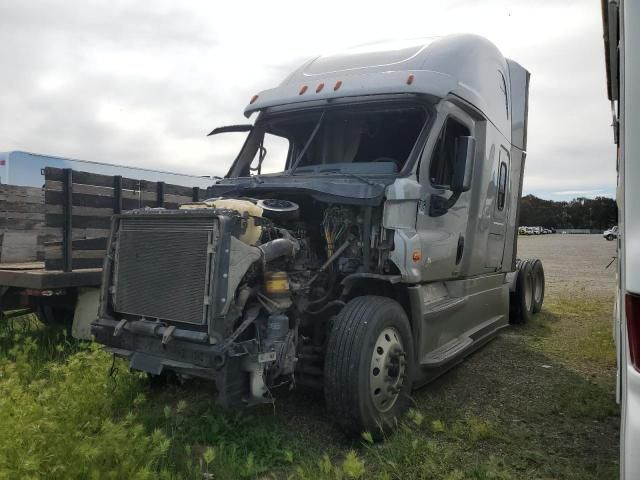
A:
(362, 242)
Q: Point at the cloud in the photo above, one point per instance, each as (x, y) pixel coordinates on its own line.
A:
(142, 84)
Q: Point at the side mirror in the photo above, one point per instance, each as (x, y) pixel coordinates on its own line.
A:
(465, 150)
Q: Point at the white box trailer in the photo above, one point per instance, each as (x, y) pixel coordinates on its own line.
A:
(25, 169)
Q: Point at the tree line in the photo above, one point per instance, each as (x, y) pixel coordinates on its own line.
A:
(598, 213)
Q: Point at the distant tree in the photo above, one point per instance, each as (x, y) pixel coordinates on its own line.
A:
(597, 213)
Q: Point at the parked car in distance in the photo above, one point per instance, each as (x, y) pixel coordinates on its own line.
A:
(611, 234)
(534, 231)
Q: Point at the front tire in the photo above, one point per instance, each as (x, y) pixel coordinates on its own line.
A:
(610, 237)
(369, 366)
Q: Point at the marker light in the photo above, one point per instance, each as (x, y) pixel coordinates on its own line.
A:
(410, 79)
(319, 87)
(302, 90)
(337, 85)
(253, 99)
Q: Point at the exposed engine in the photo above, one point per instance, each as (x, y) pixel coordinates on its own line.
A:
(284, 301)
(272, 272)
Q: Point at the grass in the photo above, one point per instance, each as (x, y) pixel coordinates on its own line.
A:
(536, 403)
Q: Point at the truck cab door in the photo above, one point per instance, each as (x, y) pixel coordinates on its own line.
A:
(443, 216)
(498, 226)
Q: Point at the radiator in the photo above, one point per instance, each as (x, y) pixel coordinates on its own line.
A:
(162, 267)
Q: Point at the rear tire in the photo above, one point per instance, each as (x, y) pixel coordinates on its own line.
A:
(538, 285)
(522, 298)
(369, 366)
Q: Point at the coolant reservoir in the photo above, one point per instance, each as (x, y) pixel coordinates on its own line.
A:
(253, 232)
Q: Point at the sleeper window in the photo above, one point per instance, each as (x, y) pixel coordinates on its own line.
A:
(444, 154)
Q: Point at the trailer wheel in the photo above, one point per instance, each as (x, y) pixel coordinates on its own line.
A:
(52, 315)
(369, 366)
(522, 298)
(538, 285)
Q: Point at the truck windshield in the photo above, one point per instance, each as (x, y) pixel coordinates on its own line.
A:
(362, 140)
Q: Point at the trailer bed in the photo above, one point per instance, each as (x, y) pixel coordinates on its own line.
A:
(33, 275)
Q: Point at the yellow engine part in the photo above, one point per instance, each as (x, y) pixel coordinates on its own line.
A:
(253, 232)
(276, 283)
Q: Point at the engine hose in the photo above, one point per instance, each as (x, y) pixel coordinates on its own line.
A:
(325, 307)
(331, 259)
(327, 296)
(279, 247)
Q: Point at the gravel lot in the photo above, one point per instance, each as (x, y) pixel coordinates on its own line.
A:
(573, 264)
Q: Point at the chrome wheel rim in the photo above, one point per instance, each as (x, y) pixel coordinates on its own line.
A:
(387, 371)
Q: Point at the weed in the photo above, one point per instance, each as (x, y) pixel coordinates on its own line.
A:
(500, 415)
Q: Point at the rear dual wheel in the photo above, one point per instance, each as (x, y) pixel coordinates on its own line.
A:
(528, 297)
(538, 285)
(369, 366)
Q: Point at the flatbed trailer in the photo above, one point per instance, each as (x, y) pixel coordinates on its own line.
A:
(53, 240)
(33, 275)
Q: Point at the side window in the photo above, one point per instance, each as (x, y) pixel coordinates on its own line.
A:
(443, 158)
(502, 184)
(271, 156)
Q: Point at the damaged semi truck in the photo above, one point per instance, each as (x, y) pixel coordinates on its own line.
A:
(362, 242)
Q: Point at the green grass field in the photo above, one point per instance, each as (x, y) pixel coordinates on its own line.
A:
(538, 402)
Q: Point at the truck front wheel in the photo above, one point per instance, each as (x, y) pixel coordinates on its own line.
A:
(369, 366)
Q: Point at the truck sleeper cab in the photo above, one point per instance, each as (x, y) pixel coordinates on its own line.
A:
(363, 241)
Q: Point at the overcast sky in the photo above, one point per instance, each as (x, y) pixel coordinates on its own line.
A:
(142, 83)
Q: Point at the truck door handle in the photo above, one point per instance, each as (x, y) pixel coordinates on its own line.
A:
(460, 249)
